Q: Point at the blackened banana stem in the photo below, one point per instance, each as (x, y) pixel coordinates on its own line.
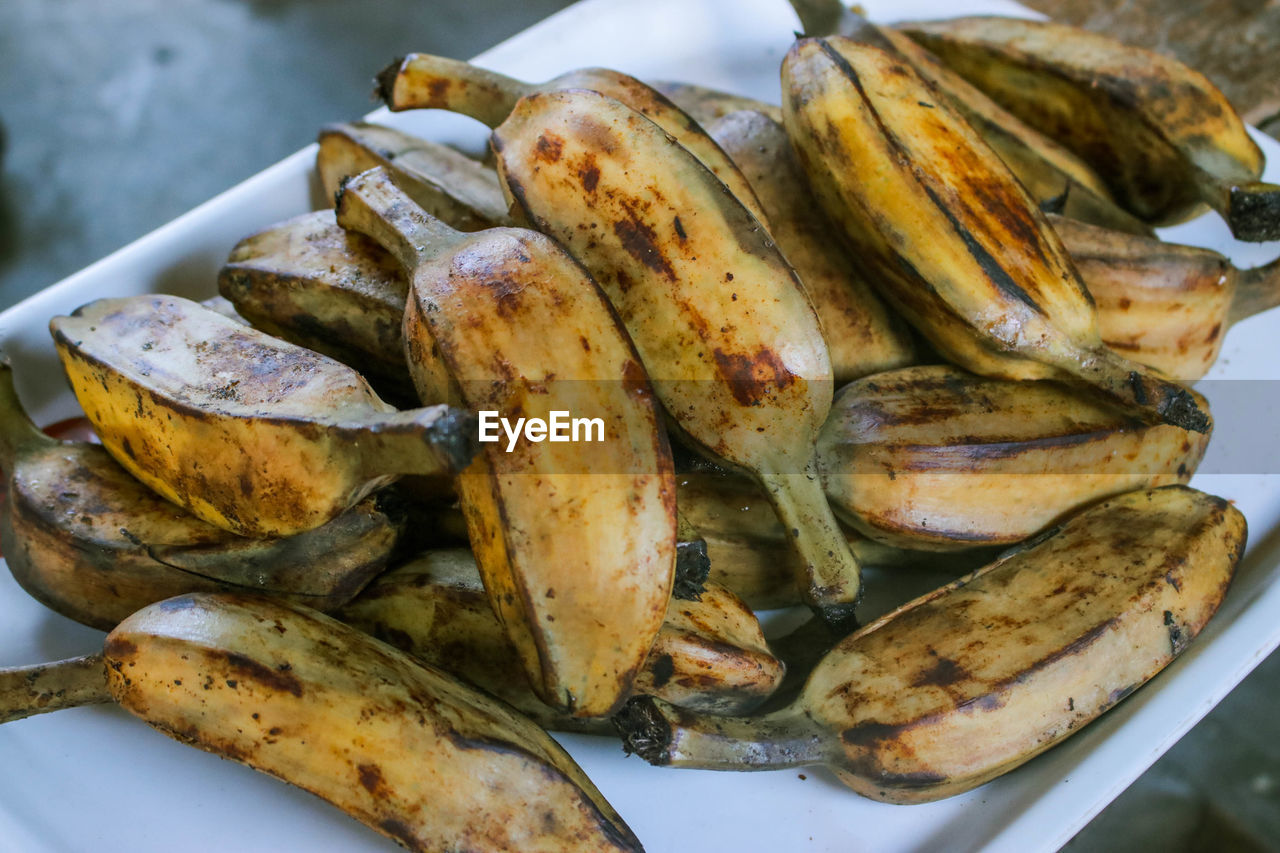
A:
(29, 690)
(1142, 388)
(1257, 290)
(16, 429)
(1252, 209)
(423, 81)
(828, 574)
(417, 441)
(824, 17)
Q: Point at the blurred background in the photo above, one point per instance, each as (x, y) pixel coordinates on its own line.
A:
(119, 116)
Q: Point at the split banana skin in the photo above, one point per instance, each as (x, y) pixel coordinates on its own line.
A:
(756, 302)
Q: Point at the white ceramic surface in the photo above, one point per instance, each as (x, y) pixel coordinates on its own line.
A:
(96, 779)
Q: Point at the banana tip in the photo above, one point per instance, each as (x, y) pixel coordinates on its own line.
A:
(839, 618)
(384, 82)
(693, 567)
(643, 729)
(1254, 214)
(1182, 410)
(455, 437)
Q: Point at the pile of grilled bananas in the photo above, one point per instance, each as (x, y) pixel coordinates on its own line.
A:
(913, 317)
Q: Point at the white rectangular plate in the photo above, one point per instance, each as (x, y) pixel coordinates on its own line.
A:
(97, 779)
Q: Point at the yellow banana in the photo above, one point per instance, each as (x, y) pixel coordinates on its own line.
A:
(863, 336)
(1163, 136)
(423, 81)
(89, 541)
(576, 540)
(935, 458)
(970, 681)
(1162, 304)
(709, 655)
(948, 234)
(404, 748)
(324, 288)
(724, 328)
(446, 183)
(247, 432)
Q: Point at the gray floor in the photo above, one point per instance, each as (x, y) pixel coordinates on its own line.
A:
(121, 115)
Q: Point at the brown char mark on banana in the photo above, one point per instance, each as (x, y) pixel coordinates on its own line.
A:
(1008, 214)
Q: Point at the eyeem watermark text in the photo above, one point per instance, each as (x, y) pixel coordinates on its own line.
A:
(560, 427)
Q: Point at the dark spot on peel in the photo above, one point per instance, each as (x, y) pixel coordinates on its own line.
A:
(276, 679)
(371, 778)
(549, 147)
(752, 378)
(663, 668)
(641, 243)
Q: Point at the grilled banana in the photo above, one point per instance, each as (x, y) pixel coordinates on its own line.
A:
(936, 458)
(576, 541)
(968, 682)
(724, 328)
(404, 748)
(423, 81)
(446, 183)
(748, 549)
(324, 288)
(709, 655)
(949, 235)
(89, 541)
(247, 432)
(863, 336)
(705, 105)
(1165, 139)
(1162, 304)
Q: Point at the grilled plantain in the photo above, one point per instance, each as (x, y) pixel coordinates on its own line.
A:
(949, 236)
(706, 105)
(863, 336)
(423, 81)
(709, 655)
(724, 328)
(935, 458)
(404, 748)
(247, 432)
(576, 541)
(89, 541)
(965, 683)
(1164, 138)
(317, 285)
(446, 183)
(1162, 304)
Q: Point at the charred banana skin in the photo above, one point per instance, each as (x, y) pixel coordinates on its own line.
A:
(1162, 135)
(710, 654)
(976, 678)
(1162, 304)
(562, 532)
(407, 750)
(863, 336)
(991, 286)
(317, 285)
(745, 379)
(446, 183)
(934, 458)
(247, 432)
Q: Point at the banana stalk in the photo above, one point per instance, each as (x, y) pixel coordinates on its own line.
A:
(725, 330)
(948, 234)
(576, 541)
(935, 458)
(1162, 304)
(446, 183)
(324, 288)
(406, 749)
(247, 432)
(970, 681)
(89, 541)
(423, 81)
(863, 336)
(709, 655)
(1166, 140)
